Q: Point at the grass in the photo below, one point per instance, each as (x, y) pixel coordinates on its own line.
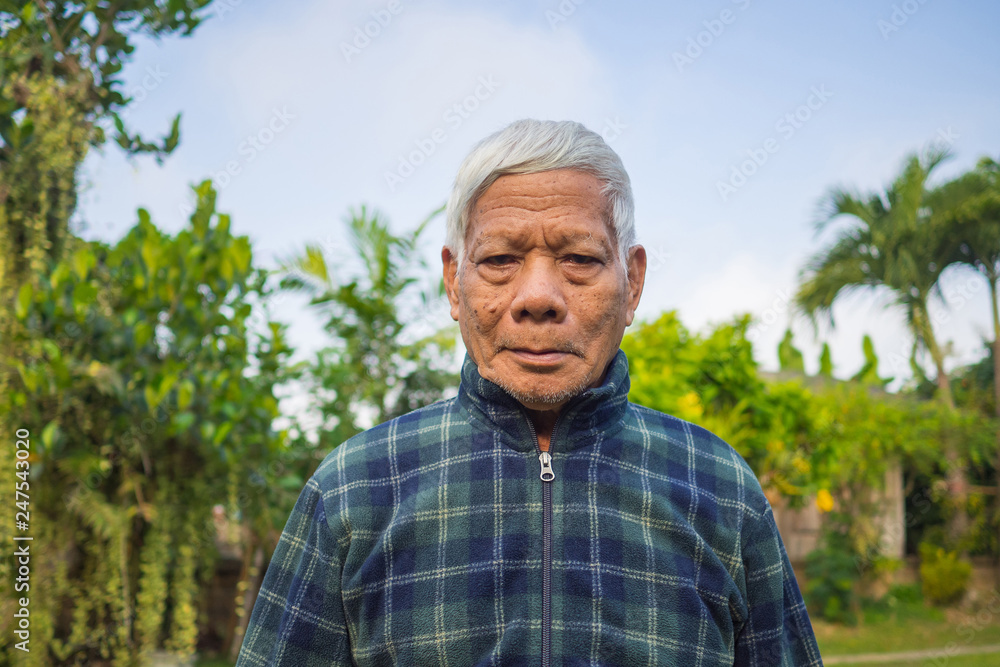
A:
(902, 622)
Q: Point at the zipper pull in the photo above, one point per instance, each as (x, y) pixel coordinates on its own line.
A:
(546, 460)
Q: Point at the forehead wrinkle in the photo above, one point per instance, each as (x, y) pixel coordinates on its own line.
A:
(517, 204)
(535, 202)
(519, 234)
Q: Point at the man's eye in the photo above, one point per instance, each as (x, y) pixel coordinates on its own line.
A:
(582, 259)
(498, 260)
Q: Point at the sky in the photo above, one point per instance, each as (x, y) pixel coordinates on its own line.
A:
(733, 118)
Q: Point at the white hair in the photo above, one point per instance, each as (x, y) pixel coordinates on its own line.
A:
(530, 146)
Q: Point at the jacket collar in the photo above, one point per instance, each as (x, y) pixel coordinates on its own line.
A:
(598, 411)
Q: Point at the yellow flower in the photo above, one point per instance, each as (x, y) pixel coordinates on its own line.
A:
(690, 406)
(824, 501)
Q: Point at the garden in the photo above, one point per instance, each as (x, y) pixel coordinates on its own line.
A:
(147, 375)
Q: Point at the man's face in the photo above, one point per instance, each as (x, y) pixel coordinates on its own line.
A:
(542, 298)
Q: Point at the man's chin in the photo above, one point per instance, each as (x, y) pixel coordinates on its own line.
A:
(542, 398)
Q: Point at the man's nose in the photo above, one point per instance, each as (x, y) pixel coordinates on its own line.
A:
(539, 291)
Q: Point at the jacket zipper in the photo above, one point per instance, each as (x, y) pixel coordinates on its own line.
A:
(547, 475)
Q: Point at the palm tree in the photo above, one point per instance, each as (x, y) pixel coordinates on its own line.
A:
(969, 209)
(970, 215)
(370, 371)
(893, 247)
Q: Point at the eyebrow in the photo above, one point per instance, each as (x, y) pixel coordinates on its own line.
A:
(562, 240)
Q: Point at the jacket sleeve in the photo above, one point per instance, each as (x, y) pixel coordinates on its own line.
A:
(298, 618)
(777, 630)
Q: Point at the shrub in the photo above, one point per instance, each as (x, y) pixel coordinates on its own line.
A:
(831, 576)
(944, 576)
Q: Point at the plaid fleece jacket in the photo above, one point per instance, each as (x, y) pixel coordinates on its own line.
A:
(432, 539)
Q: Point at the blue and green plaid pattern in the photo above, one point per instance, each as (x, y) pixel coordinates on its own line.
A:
(418, 542)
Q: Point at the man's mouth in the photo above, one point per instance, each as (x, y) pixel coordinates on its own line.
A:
(539, 356)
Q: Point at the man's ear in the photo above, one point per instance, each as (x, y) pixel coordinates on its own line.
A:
(450, 268)
(636, 272)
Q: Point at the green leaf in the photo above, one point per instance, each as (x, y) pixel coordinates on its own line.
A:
(83, 259)
(84, 294)
(185, 392)
(166, 384)
(183, 421)
(170, 142)
(226, 268)
(207, 430)
(51, 435)
(23, 300)
(152, 400)
(52, 351)
(150, 254)
(28, 377)
(222, 432)
(58, 275)
(143, 333)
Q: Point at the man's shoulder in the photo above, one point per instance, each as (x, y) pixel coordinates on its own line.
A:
(397, 441)
(677, 431)
(689, 451)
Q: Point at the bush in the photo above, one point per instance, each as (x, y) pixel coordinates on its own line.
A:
(907, 594)
(943, 575)
(831, 576)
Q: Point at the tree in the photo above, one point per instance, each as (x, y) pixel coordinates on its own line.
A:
(970, 218)
(837, 441)
(789, 357)
(712, 380)
(149, 400)
(826, 362)
(893, 247)
(59, 63)
(372, 373)
(59, 89)
(868, 374)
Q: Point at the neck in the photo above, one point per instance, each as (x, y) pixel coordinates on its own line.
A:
(543, 421)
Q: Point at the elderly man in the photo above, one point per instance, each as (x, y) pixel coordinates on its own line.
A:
(538, 516)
